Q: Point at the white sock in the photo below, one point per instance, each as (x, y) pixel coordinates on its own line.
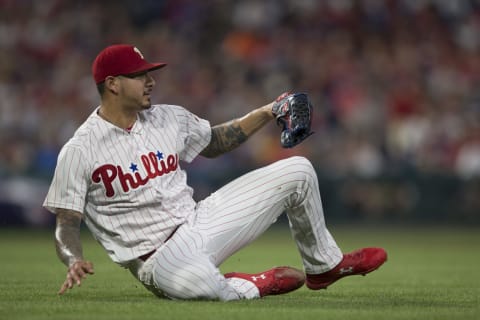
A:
(245, 288)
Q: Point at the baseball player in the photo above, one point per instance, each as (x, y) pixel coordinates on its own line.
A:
(121, 174)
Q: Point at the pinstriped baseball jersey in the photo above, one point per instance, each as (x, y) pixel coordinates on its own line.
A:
(105, 171)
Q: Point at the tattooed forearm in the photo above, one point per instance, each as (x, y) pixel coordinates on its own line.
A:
(67, 236)
(228, 136)
(225, 138)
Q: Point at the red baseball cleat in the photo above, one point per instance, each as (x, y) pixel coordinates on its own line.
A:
(278, 280)
(361, 262)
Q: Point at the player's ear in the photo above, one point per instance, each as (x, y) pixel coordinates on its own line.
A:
(112, 84)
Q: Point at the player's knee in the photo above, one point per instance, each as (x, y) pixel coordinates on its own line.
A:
(303, 178)
(300, 165)
(302, 161)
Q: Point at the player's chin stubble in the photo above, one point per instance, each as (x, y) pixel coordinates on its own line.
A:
(147, 103)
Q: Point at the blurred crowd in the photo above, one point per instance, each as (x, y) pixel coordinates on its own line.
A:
(395, 83)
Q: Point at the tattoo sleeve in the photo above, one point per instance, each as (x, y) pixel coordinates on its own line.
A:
(225, 137)
(67, 236)
(229, 135)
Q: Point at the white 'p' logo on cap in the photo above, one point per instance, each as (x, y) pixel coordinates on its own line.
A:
(139, 53)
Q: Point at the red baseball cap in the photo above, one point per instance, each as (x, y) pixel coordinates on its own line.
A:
(121, 59)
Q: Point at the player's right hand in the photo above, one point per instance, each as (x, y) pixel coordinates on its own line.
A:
(75, 274)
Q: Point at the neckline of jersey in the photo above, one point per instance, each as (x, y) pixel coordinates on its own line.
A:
(134, 128)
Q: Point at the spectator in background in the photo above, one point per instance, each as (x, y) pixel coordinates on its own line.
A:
(395, 82)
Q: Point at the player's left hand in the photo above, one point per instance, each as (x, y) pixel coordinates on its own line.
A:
(75, 274)
(293, 112)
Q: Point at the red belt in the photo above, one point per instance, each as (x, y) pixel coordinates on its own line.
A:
(149, 254)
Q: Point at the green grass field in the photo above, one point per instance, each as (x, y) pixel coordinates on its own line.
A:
(432, 273)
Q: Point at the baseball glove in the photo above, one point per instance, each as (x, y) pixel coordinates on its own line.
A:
(294, 113)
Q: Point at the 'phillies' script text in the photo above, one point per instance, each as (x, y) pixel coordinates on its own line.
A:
(154, 167)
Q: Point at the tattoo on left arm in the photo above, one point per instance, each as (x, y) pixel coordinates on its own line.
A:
(229, 135)
(225, 138)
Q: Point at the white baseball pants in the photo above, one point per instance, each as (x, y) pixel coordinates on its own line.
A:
(186, 266)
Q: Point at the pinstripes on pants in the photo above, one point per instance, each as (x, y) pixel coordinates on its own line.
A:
(186, 267)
